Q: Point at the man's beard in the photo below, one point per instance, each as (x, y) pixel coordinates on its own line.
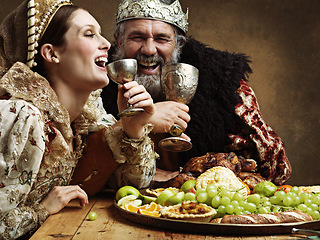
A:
(151, 82)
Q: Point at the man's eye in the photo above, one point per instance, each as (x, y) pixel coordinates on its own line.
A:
(137, 38)
(163, 40)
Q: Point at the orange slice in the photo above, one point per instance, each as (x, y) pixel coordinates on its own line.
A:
(154, 207)
(131, 208)
(247, 187)
(144, 206)
(149, 213)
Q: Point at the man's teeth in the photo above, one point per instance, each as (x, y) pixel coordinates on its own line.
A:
(102, 60)
(151, 64)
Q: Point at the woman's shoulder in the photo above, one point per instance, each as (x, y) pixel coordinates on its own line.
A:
(18, 106)
(21, 131)
(16, 113)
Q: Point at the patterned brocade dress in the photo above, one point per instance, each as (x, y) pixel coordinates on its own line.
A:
(40, 148)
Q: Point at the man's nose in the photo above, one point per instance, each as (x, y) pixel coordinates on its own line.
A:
(149, 48)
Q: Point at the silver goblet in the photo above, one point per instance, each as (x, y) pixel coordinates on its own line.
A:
(179, 82)
(120, 72)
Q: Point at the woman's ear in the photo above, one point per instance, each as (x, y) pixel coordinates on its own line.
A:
(47, 52)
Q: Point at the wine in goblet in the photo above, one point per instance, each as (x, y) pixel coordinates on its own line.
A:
(123, 71)
(179, 82)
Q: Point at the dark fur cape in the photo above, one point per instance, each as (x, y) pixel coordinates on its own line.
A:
(212, 108)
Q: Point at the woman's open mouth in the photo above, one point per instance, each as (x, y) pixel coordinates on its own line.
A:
(101, 62)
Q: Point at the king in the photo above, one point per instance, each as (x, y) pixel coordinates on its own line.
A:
(224, 114)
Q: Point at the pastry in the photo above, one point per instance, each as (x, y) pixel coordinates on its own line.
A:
(189, 211)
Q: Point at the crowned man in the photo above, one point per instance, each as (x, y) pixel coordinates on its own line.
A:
(222, 117)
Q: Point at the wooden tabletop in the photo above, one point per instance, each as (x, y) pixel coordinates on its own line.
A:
(72, 223)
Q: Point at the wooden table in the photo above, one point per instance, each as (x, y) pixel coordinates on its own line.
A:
(72, 223)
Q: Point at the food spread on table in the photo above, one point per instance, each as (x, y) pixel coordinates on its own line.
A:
(217, 194)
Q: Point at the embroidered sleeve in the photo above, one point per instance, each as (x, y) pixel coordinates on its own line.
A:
(22, 147)
(137, 157)
(273, 162)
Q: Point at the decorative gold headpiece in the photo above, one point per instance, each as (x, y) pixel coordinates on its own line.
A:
(153, 9)
(40, 13)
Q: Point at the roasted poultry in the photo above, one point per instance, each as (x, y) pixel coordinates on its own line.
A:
(243, 168)
(199, 165)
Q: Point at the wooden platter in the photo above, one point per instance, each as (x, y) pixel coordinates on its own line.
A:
(217, 228)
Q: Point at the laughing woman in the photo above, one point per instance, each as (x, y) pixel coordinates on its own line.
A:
(50, 107)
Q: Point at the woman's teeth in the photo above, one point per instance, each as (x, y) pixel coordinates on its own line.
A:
(101, 61)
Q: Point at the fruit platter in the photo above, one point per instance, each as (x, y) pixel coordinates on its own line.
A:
(219, 203)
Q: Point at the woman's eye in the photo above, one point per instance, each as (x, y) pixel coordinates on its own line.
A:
(90, 35)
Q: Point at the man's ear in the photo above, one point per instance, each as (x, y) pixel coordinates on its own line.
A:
(47, 52)
(118, 42)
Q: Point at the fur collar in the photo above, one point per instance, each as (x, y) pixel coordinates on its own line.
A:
(212, 109)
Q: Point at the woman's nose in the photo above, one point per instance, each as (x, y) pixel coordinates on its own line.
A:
(105, 43)
(149, 48)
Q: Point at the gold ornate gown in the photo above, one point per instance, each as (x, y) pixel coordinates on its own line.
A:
(40, 148)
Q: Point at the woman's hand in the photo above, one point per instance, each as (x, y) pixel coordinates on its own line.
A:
(138, 97)
(60, 196)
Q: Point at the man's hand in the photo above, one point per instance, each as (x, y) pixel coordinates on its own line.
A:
(167, 113)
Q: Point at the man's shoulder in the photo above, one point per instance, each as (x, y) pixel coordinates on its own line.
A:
(203, 56)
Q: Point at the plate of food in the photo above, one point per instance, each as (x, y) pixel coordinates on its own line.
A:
(218, 201)
(216, 228)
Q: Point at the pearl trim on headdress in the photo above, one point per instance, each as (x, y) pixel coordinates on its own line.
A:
(38, 23)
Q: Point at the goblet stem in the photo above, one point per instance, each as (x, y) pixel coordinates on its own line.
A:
(179, 82)
(130, 111)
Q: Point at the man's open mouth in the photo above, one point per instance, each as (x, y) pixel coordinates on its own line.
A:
(148, 65)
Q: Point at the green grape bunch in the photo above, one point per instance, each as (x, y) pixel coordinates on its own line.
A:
(265, 198)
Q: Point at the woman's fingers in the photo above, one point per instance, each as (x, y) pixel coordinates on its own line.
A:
(133, 89)
(141, 99)
(60, 196)
(137, 95)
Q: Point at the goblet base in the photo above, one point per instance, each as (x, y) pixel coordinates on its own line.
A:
(130, 112)
(175, 144)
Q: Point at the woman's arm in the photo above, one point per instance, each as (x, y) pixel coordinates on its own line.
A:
(129, 141)
(22, 145)
(136, 157)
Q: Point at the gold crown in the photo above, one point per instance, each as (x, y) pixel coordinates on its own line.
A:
(153, 9)
(40, 13)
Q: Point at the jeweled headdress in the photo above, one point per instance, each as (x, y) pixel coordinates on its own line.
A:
(22, 29)
(40, 13)
(153, 9)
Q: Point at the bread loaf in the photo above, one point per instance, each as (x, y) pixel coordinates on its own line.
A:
(267, 218)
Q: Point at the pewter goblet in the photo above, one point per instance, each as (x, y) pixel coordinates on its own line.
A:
(120, 72)
(179, 82)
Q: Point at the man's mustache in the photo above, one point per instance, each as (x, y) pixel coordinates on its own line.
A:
(150, 59)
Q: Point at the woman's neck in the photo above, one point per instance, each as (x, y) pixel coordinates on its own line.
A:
(71, 99)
